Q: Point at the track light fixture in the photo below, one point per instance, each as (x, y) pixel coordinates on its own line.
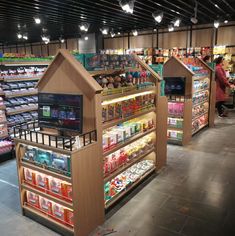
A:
(226, 22)
(158, 16)
(19, 36)
(135, 32)
(176, 22)
(61, 39)
(194, 19)
(112, 34)
(216, 24)
(170, 28)
(25, 37)
(104, 30)
(45, 39)
(84, 27)
(127, 5)
(86, 38)
(37, 20)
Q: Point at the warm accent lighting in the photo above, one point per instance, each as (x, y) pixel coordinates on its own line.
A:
(37, 20)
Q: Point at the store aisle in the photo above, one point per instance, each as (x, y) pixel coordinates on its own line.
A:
(194, 195)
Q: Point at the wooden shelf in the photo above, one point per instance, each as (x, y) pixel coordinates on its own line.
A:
(201, 127)
(140, 113)
(48, 196)
(48, 218)
(21, 111)
(175, 116)
(21, 79)
(174, 140)
(26, 63)
(21, 94)
(200, 90)
(124, 192)
(201, 77)
(127, 165)
(200, 103)
(204, 113)
(135, 91)
(112, 71)
(128, 141)
(175, 128)
(46, 171)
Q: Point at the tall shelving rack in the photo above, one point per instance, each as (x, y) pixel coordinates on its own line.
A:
(9, 83)
(198, 102)
(87, 163)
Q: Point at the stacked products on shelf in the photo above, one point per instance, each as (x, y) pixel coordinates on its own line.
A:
(126, 180)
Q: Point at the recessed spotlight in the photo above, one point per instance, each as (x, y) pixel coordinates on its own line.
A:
(37, 20)
(170, 28)
(86, 38)
(104, 30)
(155, 30)
(158, 16)
(84, 27)
(127, 5)
(135, 32)
(119, 33)
(216, 24)
(19, 36)
(226, 22)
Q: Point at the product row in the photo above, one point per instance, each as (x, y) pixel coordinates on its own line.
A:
(48, 184)
(53, 161)
(126, 179)
(175, 134)
(199, 123)
(20, 92)
(176, 109)
(19, 101)
(127, 154)
(121, 133)
(200, 109)
(5, 146)
(127, 106)
(22, 72)
(17, 85)
(50, 208)
(200, 85)
(175, 122)
(203, 96)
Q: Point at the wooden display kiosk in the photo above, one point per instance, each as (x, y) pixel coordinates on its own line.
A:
(191, 102)
(130, 121)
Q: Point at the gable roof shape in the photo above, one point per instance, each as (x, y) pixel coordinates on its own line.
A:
(181, 63)
(91, 84)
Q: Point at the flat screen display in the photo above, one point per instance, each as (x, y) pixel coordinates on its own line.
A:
(62, 111)
(174, 85)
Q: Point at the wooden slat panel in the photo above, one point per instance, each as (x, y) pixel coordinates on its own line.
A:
(202, 38)
(226, 36)
(173, 39)
(141, 41)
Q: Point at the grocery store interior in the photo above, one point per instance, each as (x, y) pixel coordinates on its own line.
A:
(117, 117)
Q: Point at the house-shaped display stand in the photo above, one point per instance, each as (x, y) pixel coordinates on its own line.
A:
(191, 107)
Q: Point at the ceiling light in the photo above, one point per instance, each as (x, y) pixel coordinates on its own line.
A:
(104, 30)
(226, 22)
(194, 19)
(47, 41)
(119, 33)
(86, 38)
(135, 32)
(84, 27)
(127, 5)
(216, 6)
(19, 36)
(112, 34)
(155, 30)
(158, 16)
(177, 22)
(37, 20)
(170, 28)
(61, 40)
(25, 37)
(216, 24)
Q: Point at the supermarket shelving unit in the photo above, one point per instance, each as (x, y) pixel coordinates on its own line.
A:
(87, 177)
(198, 103)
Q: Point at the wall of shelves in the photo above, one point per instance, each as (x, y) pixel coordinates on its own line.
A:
(195, 109)
(129, 145)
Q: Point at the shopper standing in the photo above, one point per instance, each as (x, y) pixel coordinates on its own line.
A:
(221, 84)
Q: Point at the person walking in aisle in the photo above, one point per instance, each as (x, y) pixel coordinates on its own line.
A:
(221, 84)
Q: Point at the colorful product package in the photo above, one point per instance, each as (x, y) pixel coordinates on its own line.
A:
(31, 153)
(44, 157)
(61, 162)
(69, 216)
(58, 211)
(45, 205)
(67, 190)
(55, 185)
(41, 180)
(32, 199)
(29, 176)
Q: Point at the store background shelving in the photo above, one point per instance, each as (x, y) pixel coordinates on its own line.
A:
(145, 126)
(195, 109)
(19, 97)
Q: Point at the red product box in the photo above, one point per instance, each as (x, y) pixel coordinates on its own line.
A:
(32, 199)
(45, 205)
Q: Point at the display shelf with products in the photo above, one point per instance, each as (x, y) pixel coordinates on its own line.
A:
(190, 88)
(119, 135)
(18, 79)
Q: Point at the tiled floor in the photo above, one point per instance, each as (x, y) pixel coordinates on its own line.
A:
(193, 196)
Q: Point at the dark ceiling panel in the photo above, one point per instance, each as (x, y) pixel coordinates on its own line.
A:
(63, 17)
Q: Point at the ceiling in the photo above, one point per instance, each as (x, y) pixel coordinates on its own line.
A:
(62, 17)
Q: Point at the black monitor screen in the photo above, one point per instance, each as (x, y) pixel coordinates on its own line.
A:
(63, 111)
(174, 85)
